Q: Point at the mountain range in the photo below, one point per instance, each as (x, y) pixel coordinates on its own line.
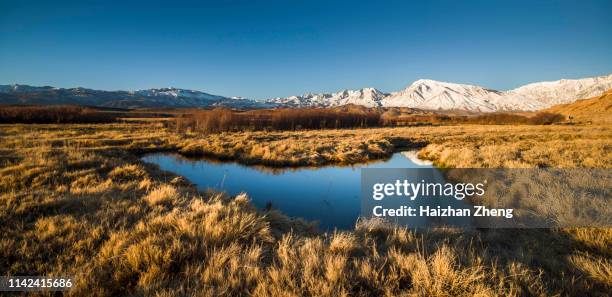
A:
(422, 94)
(150, 98)
(436, 95)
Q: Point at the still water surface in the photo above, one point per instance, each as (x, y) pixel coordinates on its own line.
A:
(329, 195)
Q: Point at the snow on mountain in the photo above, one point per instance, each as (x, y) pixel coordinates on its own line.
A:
(369, 97)
(176, 93)
(546, 94)
(422, 94)
(431, 94)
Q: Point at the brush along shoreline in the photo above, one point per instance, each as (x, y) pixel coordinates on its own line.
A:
(281, 152)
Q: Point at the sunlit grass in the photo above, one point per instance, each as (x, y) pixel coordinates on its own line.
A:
(76, 200)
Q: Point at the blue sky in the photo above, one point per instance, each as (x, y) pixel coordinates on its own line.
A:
(261, 49)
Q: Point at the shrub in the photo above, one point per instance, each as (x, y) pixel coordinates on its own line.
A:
(546, 118)
(220, 120)
(53, 115)
(224, 120)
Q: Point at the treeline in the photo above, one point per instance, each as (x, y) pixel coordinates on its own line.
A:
(541, 118)
(222, 120)
(55, 114)
(219, 120)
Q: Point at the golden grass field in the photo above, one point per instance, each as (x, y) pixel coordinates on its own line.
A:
(76, 200)
(593, 110)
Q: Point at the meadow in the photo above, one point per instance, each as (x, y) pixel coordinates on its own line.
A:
(76, 200)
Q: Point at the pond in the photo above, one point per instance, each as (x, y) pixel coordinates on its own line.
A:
(328, 194)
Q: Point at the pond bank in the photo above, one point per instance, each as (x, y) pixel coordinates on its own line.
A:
(296, 150)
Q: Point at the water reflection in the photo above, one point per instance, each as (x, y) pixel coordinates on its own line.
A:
(329, 195)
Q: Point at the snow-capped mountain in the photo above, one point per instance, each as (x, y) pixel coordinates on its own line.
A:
(369, 97)
(542, 95)
(178, 93)
(422, 94)
(431, 94)
(150, 98)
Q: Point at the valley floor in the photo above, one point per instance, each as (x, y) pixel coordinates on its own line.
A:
(76, 200)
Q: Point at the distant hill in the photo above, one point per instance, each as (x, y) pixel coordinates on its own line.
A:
(597, 109)
(150, 98)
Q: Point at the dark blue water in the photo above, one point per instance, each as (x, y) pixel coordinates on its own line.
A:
(329, 195)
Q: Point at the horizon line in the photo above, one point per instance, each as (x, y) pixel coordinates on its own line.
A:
(307, 93)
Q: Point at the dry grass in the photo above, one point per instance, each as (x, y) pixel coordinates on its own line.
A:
(290, 148)
(522, 147)
(465, 146)
(596, 110)
(76, 200)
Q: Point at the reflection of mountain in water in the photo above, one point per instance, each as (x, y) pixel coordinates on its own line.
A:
(414, 157)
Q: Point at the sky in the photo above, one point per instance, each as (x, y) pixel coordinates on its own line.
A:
(264, 49)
